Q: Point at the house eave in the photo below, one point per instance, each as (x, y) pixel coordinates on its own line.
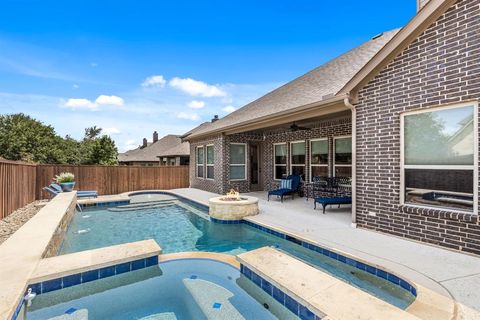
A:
(324, 107)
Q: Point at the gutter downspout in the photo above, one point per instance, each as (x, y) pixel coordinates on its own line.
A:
(349, 105)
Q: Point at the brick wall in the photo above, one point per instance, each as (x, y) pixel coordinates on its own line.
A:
(440, 67)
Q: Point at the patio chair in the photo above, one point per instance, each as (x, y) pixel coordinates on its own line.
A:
(284, 191)
(53, 191)
(340, 193)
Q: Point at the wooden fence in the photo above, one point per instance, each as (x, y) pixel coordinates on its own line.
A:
(22, 183)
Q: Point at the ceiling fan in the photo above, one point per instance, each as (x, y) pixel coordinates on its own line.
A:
(294, 127)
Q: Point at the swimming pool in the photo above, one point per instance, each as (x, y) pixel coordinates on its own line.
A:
(180, 226)
(177, 289)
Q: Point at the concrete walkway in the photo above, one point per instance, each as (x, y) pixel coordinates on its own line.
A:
(446, 272)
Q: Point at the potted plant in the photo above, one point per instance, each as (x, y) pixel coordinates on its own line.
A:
(66, 180)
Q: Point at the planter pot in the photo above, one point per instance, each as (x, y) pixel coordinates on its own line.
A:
(67, 186)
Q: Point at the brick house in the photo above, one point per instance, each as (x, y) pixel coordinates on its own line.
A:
(398, 114)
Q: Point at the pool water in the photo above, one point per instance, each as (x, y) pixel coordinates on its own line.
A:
(179, 289)
(183, 228)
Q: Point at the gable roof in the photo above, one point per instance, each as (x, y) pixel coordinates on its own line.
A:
(170, 145)
(319, 84)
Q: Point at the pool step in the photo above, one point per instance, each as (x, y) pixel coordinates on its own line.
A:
(143, 205)
(212, 299)
(161, 316)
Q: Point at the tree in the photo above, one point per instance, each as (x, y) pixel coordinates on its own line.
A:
(24, 138)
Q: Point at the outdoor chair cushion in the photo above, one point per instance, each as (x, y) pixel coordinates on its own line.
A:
(286, 184)
(325, 201)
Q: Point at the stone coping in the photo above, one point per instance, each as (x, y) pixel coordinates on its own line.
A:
(226, 258)
(324, 293)
(68, 264)
(102, 199)
(317, 290)
(21, 253)
(244, 200)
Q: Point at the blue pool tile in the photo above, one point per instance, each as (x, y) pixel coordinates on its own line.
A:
(361, 266)
(122, 268)
(88, 276)
(247, 273)
(342, 258)
(151, 261)
(71, 310)
(351, 262)
(325, 252)
(193, 277)
(279, 295)
(256, 279)
(371, 269)
(382, 274)
(106, 272)
(414, 291)
(333, 255)
(405, 285)
(72, 280)
(305, 314)
(291, 304)
(138, 264)
(36, 288)
(267, 286)
(393, 278)
(51, 285)
(217, 305)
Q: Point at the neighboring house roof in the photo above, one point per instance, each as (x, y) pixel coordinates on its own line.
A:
(316, 85)
(170, 145)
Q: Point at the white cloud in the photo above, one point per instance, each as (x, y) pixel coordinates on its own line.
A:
(188, 116)
(111, 131)
(229, 109)
(109, 100)
(80, 104)
(195, 104)
(93, 64)
(154, 81)
(76, 86)
(196, 88)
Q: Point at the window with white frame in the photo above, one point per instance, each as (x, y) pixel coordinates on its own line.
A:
(342, 157)
(279, 161)
(318, 158)
(238, 161)
(439, 157)
(200, 162)
(297, 158)
(210, 162)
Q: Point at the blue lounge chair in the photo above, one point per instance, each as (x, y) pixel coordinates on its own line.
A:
(281, 192)
(325, 201)
(80, 194)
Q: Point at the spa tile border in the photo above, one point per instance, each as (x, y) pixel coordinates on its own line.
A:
(92, 275)
(226, 221)
(339, 257)
(284, 299)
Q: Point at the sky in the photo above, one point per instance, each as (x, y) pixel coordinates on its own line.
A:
(133, 67)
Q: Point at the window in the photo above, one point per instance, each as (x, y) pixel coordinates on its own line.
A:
(342, 159)
(200, 162)
(279, 161)
(238, 161)
(210, 162)
(297, 158)
(439, 157)
(318, 158)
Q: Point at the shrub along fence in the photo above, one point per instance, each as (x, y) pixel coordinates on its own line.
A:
(22, 183)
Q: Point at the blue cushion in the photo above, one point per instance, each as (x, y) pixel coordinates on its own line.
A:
(286, 184)
(334, 200)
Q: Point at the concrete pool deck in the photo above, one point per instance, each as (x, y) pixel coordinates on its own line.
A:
(446, 272)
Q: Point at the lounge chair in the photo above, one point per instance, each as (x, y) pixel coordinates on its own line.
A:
(325, 201)
(53, 190)
(281, 192)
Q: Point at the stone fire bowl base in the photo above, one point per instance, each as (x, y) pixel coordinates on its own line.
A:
(233, 210)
